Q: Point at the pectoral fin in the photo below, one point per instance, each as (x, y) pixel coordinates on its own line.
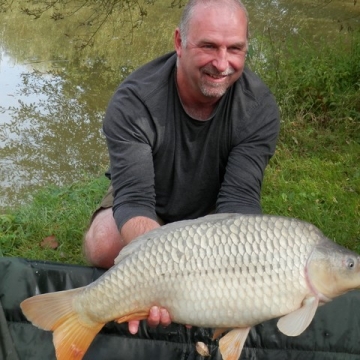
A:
(218, 332)
(294, 323)
(202, 349)
(232, 343)
(138, 315)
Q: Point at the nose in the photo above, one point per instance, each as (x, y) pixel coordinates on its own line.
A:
(220, 61)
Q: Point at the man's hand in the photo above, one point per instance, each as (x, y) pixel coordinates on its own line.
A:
(156, 316)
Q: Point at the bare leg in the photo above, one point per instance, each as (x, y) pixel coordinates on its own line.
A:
(102, 241)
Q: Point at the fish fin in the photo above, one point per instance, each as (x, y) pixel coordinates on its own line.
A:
(232, 343)
(139, 315)
(54, 311)
(202, 349)
(217, 333)
(294, 323)
(72, 338)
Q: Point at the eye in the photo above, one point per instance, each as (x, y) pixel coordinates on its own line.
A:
(238, 48)
(350, 263)
(208, 46)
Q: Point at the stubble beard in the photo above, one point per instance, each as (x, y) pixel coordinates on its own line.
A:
(214, 90)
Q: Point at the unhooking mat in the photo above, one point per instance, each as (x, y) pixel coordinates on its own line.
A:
(334, 334)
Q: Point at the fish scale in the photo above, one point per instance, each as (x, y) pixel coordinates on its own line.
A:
(220, 271)
(180, 273)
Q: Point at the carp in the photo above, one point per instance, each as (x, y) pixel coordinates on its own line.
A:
(224, 271)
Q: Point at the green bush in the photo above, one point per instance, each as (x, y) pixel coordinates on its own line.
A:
(316, 81)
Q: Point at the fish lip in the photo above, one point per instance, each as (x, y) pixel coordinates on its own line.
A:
(322, 298)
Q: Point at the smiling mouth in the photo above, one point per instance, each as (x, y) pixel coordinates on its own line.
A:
(217, 77)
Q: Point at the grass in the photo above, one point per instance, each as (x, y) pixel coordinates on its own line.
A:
(321, 189)
(314, 175)
(62, 213)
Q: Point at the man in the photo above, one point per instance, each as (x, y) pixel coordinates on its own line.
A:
(188, 134)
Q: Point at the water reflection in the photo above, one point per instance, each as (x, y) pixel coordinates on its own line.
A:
(53, 95)
(51, 134)
(50, 128)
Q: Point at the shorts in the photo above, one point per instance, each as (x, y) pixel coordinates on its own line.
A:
(106, 202)
(108, 199)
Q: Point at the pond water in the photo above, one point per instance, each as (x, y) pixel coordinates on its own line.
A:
(60, 66)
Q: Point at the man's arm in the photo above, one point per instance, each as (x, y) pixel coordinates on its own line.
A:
(254, 146)
(129, 132)
(135, 227)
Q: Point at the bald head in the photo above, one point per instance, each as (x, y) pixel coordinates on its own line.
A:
(190, 8)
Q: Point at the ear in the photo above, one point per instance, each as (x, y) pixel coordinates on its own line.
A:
(177, 42)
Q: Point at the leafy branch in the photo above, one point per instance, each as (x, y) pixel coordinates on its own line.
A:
(95, 13)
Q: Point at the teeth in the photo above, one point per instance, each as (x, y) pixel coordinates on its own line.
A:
(216, 76)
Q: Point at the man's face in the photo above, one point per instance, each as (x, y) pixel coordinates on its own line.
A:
(213, 57)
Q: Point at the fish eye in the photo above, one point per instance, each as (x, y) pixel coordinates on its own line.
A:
(350, 263)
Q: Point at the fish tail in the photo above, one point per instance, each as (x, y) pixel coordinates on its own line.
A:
(55, 312)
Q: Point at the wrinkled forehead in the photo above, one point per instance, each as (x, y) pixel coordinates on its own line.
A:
(212, 20)
(223, 16)
(225, 8)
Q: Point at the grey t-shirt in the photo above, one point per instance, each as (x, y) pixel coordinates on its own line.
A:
(165, 163)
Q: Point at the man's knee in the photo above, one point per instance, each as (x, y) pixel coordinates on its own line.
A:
(102, 241)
